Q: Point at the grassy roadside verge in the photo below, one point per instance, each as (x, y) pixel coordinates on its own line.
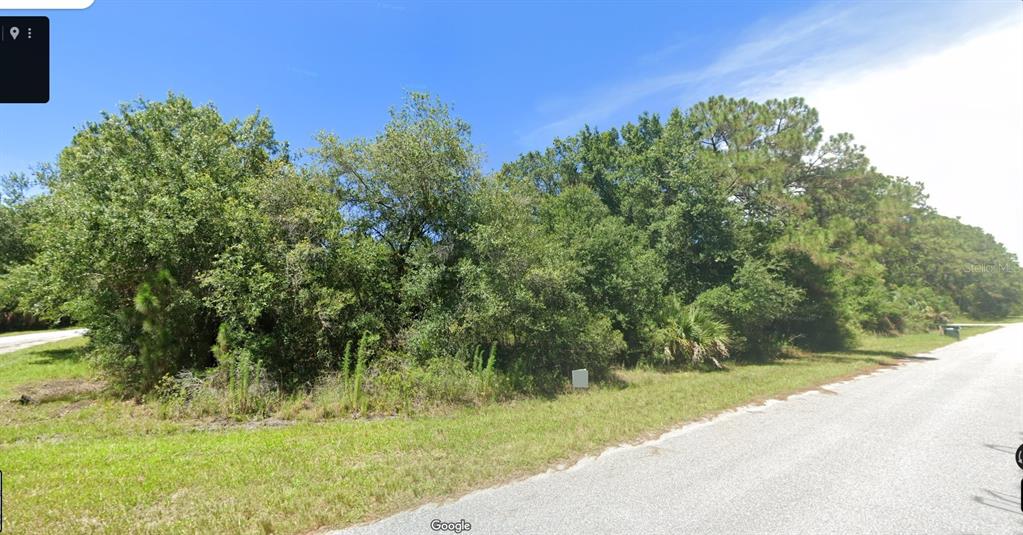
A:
(1003, 321)
(88, 464)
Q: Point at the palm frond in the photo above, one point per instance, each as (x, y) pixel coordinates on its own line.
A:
(694, 336)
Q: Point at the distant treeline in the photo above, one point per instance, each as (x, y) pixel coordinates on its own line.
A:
(732, 229)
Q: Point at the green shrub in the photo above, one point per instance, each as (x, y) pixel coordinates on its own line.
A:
(135, 213)
(239, 391)
(621, 278)
(755, 304)
(691, 336)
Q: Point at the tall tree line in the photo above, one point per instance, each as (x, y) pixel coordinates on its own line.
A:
(169, 232)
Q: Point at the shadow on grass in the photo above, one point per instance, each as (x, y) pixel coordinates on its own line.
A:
(890, 354)
(882, 358)
(613, 380)
(799, 356)
(54, 356)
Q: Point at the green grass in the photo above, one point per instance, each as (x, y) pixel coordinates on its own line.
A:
(57, 360)
(98, 465)
(909, 344)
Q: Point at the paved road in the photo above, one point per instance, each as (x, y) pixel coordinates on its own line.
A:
(21, 341)
(922, 448)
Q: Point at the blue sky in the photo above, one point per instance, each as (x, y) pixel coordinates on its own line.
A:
(522, 73)
(507, 69)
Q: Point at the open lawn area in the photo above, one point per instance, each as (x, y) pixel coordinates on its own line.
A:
(76, 461)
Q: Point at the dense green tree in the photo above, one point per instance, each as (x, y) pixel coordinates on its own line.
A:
(184, 241)
(731, 180)
(411, 184)
(15, 218)
(135, 214)
(292, 287)
(524, 291)
(622, 279)
(757, 303)
(18, 213)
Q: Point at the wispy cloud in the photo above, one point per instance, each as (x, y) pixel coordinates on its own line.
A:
(304, 72)
(607, 102)
(827, 38)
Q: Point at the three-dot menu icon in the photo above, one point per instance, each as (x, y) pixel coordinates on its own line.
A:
(24, 60)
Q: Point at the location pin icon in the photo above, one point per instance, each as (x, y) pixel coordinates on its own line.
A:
(14, 33)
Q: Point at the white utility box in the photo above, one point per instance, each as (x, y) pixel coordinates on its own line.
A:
(580, 378)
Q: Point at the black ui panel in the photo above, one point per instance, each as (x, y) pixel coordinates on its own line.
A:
(24, 59)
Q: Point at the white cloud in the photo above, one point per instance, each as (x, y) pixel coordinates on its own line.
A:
(952, 119)
(818, 39)
(762, 49)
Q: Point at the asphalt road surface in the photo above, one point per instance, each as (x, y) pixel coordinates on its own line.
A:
(927, 447)
(21, 341)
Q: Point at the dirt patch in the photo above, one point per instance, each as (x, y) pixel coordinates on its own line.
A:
(61, 389)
